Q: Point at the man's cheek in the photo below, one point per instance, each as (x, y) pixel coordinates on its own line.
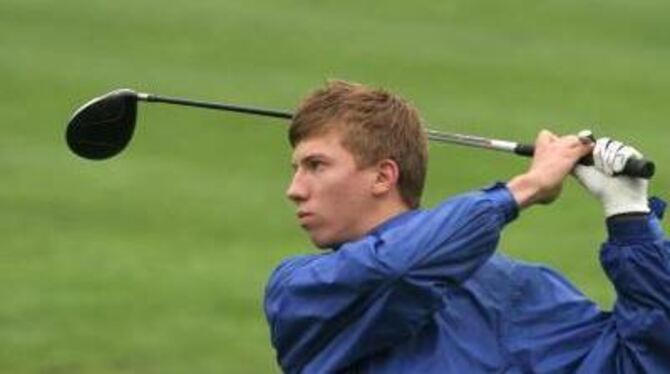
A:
(342, 191)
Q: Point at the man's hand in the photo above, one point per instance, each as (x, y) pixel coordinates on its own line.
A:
(618, 194)
(553, 160)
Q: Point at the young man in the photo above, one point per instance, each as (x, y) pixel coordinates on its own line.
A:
(403, 290)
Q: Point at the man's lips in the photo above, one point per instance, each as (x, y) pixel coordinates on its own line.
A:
(304, 217)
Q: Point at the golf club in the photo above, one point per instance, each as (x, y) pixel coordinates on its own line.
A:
(103, 127)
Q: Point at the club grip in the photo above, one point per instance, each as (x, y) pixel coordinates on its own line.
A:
(639, 167)
(524, 149)
(635, 167)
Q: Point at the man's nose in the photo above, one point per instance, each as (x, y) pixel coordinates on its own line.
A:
(297, 190)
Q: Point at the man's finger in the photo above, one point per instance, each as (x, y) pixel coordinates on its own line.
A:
(576, 145)
(545, 136)
(609, 157)
(601, 144)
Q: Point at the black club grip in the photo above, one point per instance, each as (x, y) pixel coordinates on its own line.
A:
(635, 167)
(639, 167)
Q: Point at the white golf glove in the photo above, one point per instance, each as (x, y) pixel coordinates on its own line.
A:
(618, 194)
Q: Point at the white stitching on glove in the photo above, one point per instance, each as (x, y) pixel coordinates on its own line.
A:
(617, 194)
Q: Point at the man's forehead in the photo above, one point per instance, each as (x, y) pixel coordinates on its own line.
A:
(328, 144)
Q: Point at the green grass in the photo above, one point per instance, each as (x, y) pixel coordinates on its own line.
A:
(155, 261)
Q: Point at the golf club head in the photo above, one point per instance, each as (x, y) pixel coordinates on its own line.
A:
(103, 127)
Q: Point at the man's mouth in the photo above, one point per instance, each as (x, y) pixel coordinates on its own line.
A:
(305, 218)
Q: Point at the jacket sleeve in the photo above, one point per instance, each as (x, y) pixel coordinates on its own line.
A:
(554, 328)
(636, 259)
(327, 311)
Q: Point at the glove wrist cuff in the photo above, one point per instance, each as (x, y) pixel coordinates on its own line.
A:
(624, 230)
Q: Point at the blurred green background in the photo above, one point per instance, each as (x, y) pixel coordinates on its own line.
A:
(155, 261)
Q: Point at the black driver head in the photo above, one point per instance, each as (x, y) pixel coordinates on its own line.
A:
(103, 127)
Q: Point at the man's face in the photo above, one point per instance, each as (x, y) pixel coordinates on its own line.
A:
(332, 194)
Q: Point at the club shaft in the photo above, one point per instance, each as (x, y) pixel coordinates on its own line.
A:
(634, 167)
(472, 141)
(219, 106)
(461, 139)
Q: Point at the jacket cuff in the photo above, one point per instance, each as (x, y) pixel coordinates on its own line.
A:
(634, 229)
(501, 196)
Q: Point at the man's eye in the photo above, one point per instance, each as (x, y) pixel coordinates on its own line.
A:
(315, 164)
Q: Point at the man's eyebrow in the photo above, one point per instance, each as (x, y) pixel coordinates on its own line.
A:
(316, 155)
(309, 157)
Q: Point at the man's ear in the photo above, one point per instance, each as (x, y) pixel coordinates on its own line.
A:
(387, 177)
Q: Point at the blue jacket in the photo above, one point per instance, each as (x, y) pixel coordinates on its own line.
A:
(425, 293)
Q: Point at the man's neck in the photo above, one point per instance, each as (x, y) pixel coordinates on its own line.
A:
(384, 213)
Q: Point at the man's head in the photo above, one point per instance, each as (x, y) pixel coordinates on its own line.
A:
(360, 157)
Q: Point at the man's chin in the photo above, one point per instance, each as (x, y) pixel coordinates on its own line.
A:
(325, 243)
(322, 242)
